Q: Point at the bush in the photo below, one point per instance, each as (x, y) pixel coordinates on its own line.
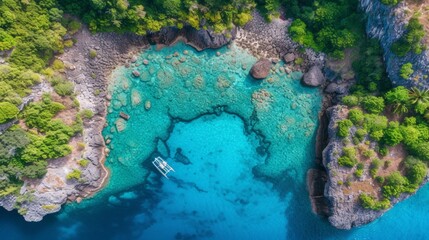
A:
(373, 104)
(421, 150)
(92, 54)
(64, 88)
(374, 122)
(361, 133)
(416, 171)
(369, 202)
(411, 40)
(375, 165)
(83, 162)
(410, 134)
(346, 162)
(377, 135)
(351, 100)
(406, 70)
(392, 135)
(356, 116)
(394, 185)
(358, 173)
(75, 174)
(87, 113)
(344, 127)
(7, 111)
(398, 94)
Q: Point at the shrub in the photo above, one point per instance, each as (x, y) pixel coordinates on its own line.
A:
(369, 202)
(379, 179)
(83, 162)
(398, 94)
(344, 127)
(92, 54)
(392, 135)
(64, 88)
(368, 153)
(346, 162)
(416, 171)
(375, 165)
(410, 135)
(377, 135)
(361, 133)
(358, 173)
(374, 122)
(351, 100)
(58, 65)
(411, 40)
(406, 70)
(356, 116)
(87, 113)
(7, 111)
(421, 150)
(373, 104)
(394, 185)
(75, 174)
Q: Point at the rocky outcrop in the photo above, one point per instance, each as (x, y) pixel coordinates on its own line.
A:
(345, 210)
(270, 40)
(261, 69)
(199, 39)
(316, 180)
(314, 77)
(388, 24)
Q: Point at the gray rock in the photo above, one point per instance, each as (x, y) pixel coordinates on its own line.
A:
(290, 57)
(261, 69)
(314, 77)
(341, 88)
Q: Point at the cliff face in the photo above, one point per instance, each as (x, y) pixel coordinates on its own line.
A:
(345, 209)
(388, 24)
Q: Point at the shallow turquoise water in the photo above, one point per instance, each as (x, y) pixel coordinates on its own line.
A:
(223, 192)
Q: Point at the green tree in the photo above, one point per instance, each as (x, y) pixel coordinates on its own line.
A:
(7, 111)
(373, 104)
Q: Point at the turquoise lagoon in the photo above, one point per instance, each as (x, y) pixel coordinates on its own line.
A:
(240, 149)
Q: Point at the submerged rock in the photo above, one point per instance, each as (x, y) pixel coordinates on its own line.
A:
(120, 124)
(261, 69)
(136, 73)
(147, 105)
(314, 77)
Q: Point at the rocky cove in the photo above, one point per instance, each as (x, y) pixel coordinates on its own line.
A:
(90, 75)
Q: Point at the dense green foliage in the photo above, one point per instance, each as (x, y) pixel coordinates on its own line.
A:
(369, 68)
(146, 15)
(411, 40)
(33, 29)
(344, 127)
(7, 111)
(373, 104)
(369, 202)
(327, 25)
(25, 154)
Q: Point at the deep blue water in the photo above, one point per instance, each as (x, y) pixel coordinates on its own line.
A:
(170, 207)
(217, 194)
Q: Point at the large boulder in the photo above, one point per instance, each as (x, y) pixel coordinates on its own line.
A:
(290, 57)
(314, 77)
(261, 69)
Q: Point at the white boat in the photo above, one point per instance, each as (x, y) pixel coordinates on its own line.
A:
(162, 166)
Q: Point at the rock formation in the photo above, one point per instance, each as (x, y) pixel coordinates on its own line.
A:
(261, 69)
(314, 77)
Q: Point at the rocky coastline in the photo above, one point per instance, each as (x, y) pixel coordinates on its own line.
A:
(388, 24)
